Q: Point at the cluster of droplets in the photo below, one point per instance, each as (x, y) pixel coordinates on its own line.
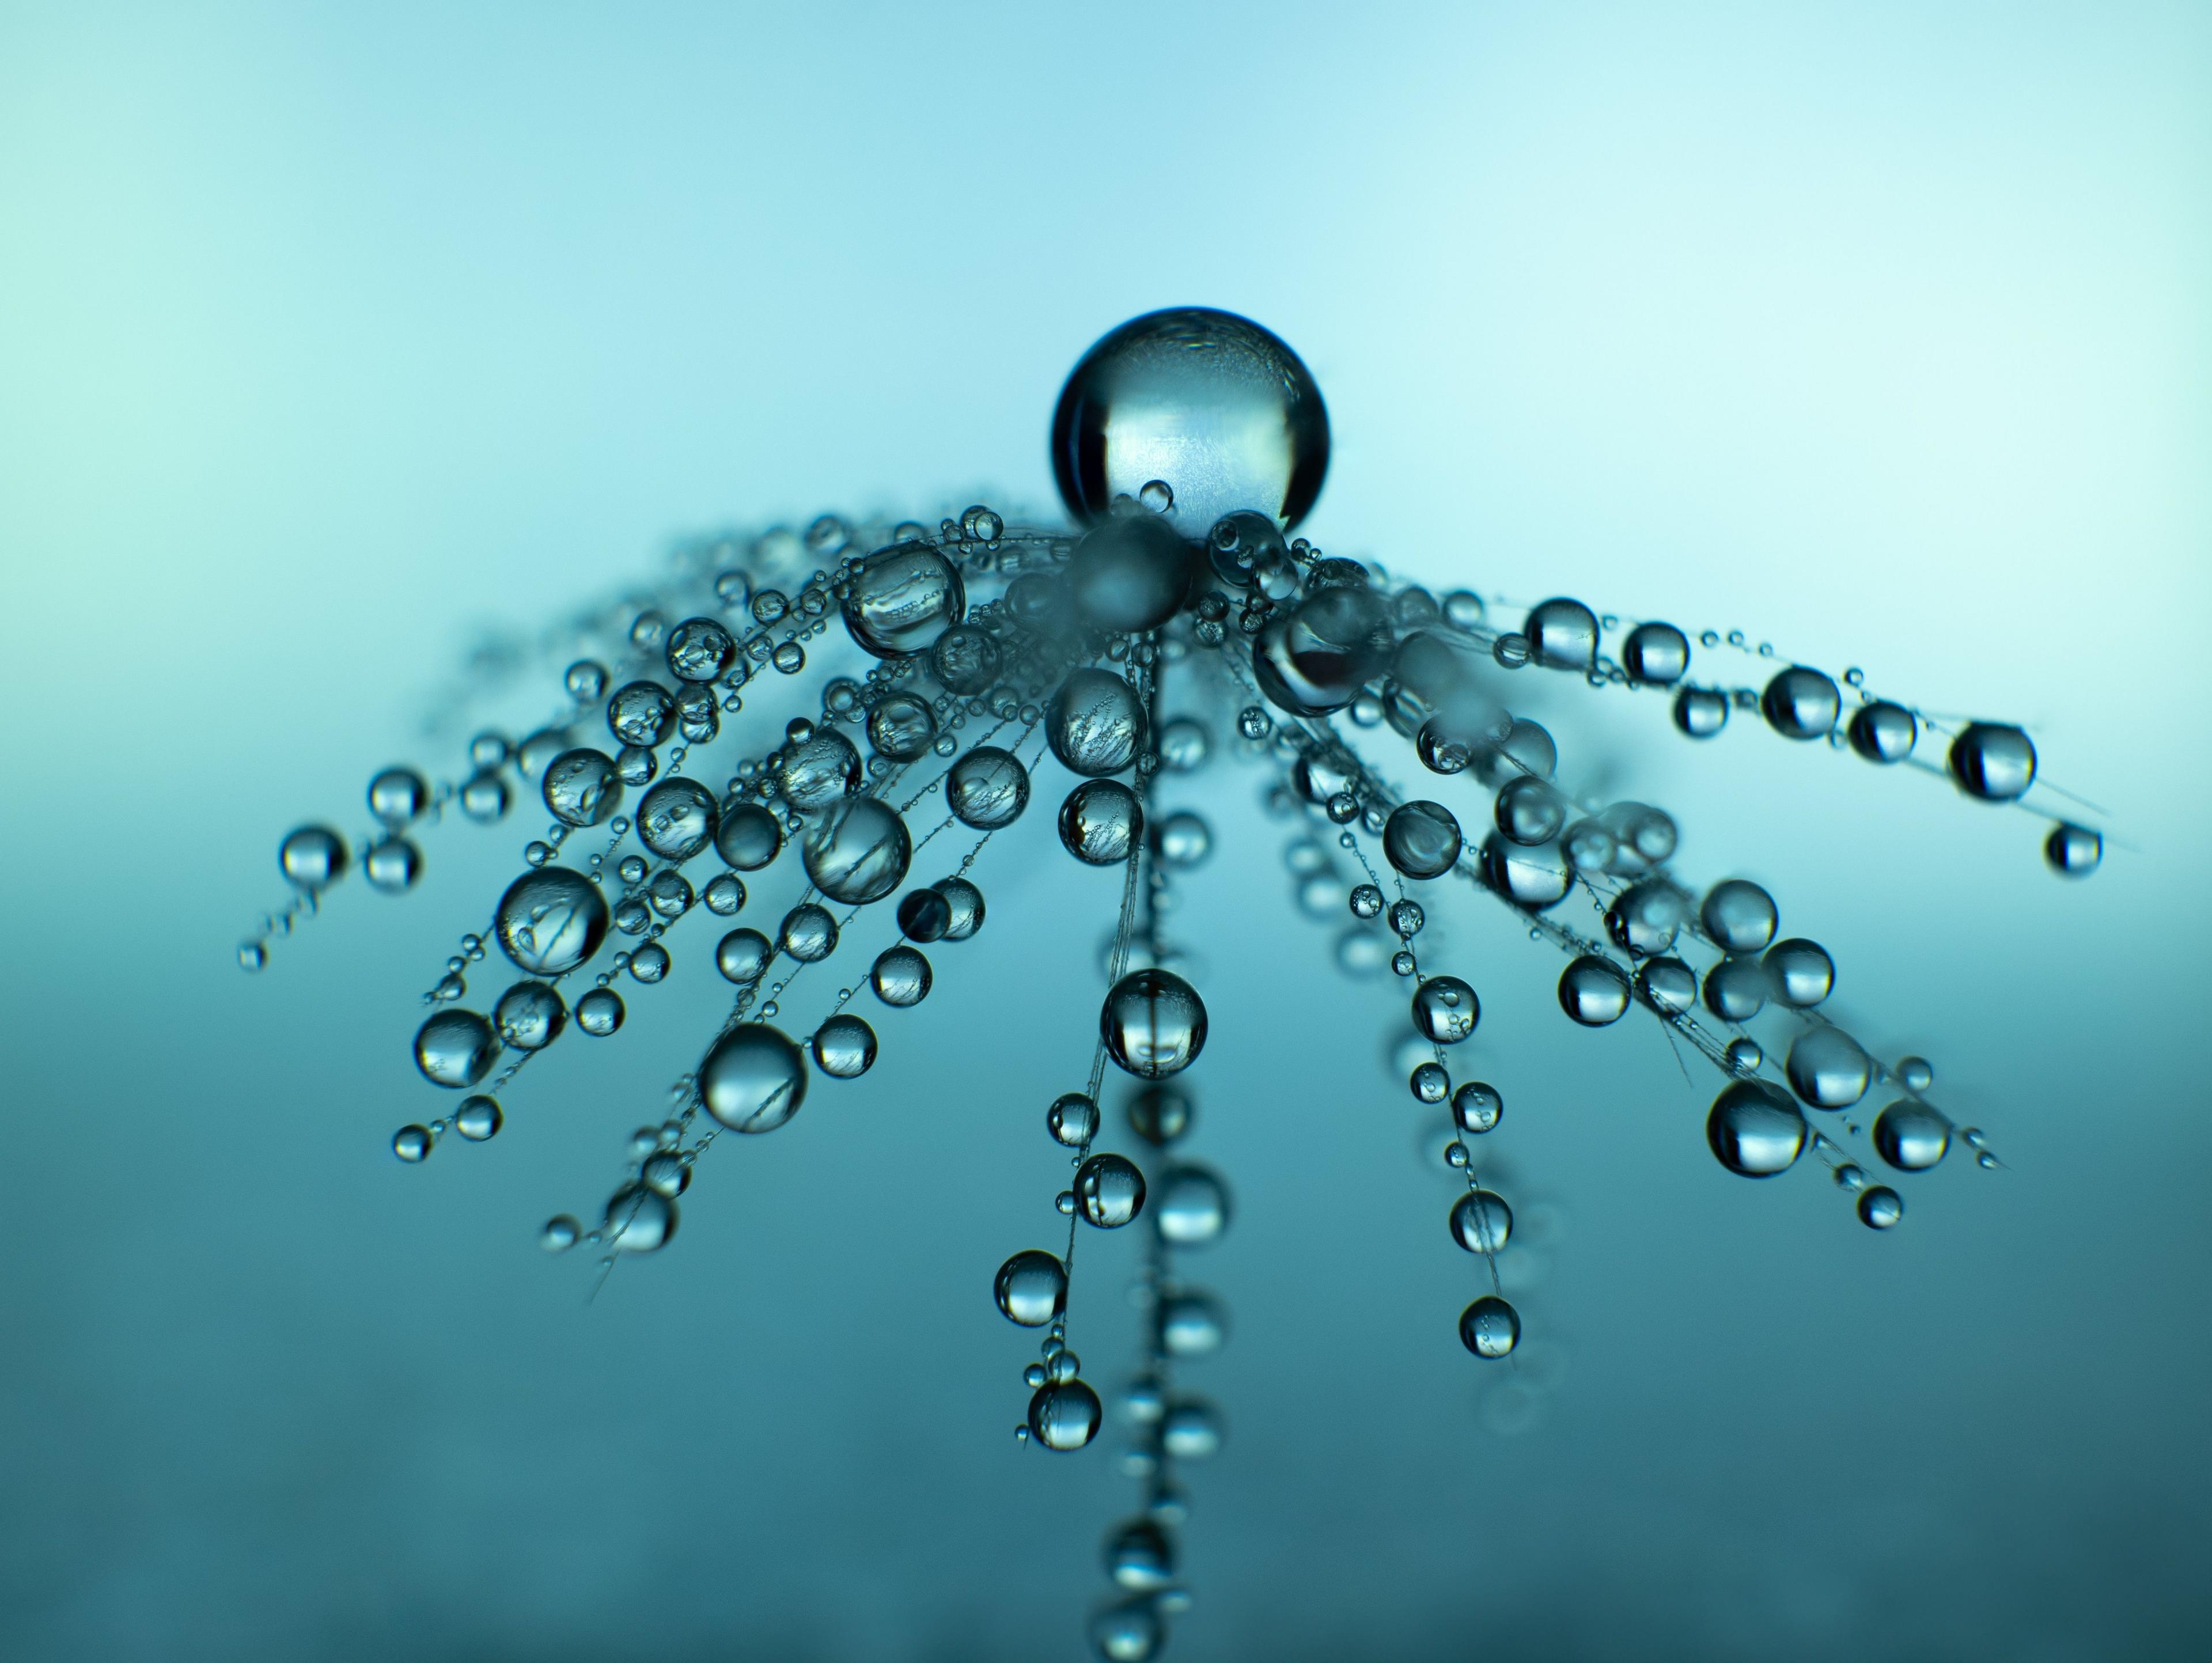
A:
(947, 664)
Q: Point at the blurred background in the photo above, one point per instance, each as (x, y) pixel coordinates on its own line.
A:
(329, 339)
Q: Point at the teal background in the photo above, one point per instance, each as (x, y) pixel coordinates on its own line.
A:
(330, 337)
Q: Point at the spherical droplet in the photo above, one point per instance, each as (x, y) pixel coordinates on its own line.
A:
(844, 1046)
(1911, 1136)
(1316, 658)
(1644, 918)
(1072, 1120)
(1739, 916)
(1700, 712)
(640, 713)
(1657, 654)
(748, 837)
(742, 956)
(550, 920)
(1032, 1288)
(1065, 1415)
(1562, 634)
(600, 1013)
(1917, 1073)
(902, 727)
(560, 1233)
(582, 787)
(1754, 1130)
(1800, 704)
(1530, 811)
(986, 788)
(678, 818)
(1208, 402)
(1880, 1207)
(1160, 1114)
(1153, 1022)
(1191, 1209)
(1884, 732)
(1826, 1068)
(1096, 723)
(809, 933)
(1532, 877)
(1110, 1191)
(479, 1119)
(818, 770)
(1477, 1108)
(1182, 839)
(1191, 1429)
(397, 795)
(455, 1048)
(1131, 573)
(1993, 761)
(638, 1219)
(857, 850)
(1594, 991)
(312, 857)
(1799, 972)
(1667, 984)
(1101, 822)
(530, 1016)
(2074, 851)
(1190, 1324)
(1490, 1327)
(901, 977)
(1735, 988)
(392, 865)
(1421, 839)
(752, 1078)
(901, 599)
(1140, 1556)
(1445, 1009)
(1482, 1222)
(965, 905)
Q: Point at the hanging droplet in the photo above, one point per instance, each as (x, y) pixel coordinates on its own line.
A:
(1826, 1068)
(600, 1013)
(748, 836)
(1911, 1136)
(1490, 1327)
(1799, 972)
(986, 788)
(1101, 822)
(1656, 654)
(1993, 761)
(479, 1119)
(1065, 1415)
(1739, 916)
(582, 787)
(1477, 1108)
(1110, 1191)
(1754, 1130)
(1482, 1222)
(1594, 991)
(1421, 839)
(1032, 1288)
(1072, 1120)
(1191, 1208)
(1096, 723)
(857, 850)
(752, 1078)
(844, 1046)
(1445, 1009)
(2074, 851)
(1800, 704)
(901, 977)
(455, 1048)
(1880, 1207)
(1154, 1024)
(901, 599)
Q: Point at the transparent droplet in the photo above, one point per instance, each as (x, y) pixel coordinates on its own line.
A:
(582, 787)
(986, 788)
(1993, 761)
(742, 956)
(312, 857)
(1072, 1120)
(1209, 403)
(1032, 1288)
(1826, 1068)
(1911, 1136)
(638, 1220)
(752, 1078)
(1594, 991)
(1154, 1024)
(397, 795)
(1884, 732)
(550, 920)
(1477, 1108)
(455, 1048)
(479, 1119)
(857, 850)
(1100, 822)
(1110, 1191)
(902, 598)
(560, 1233)
(809, 933)
(1160, 1114)
(392, 865)
(1482, 1222)
(1655, 654)
(411, 1143)
(1445, 1009)
(2074, 851)
(1799, 972)
(748, 837)
(1739, 916)
(1490, 1327)
(844, 1046)
(678, 818)
(1880, 1207)
(1562, 634)
(1421, 839)
(1754, 1130)
(901, 977)
(1064, 1415)
(1096, 723)
(1190, 1208)
(600, 1013)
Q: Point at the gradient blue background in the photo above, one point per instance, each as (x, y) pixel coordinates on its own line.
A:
(330, 337)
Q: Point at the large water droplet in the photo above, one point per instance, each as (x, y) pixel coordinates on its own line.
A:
(987, 788)
(1754, 1129)
(1032, 1288)
(678, 818)
(1993, 761)
(1826, 1068)
(1096, 723)
(857, 850)
(1153, 1022)
(1208, 402)
(752, 1078)
(550, 920)
(1911, 1136)
(901, 599)
(1191, 1208)
(455, 1048)
(582, 787)
(1110, 1191)
(1421, 839)
(312, 857)
(1100, 822)
(1490, 1327)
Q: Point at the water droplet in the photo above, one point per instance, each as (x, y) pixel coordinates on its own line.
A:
(1826, 1068)
(678, 818)
(1739, 916)
(752, 1078)
(819, 769)
(585, 681)
(397, 795)
(392, 865)
(1190, 1324)
(748, 837)
(1594, 991)
(1445, 1009)
(638, 1220)
(1477, 1108)
(1100, 822)
(1064, 1415)
(1160, 1114)
(1916, 1072)
(550, 920)
(1482, 1222)
(1110, 1191)
(986, 788)
(560, 1233)
(1754, 1130)
(1884, 732)
(485, 799)
(1667, 984)
(1529, 810)
(455, 1048)
(1655, 654)
(1032, 1288)
(1993, 761)
(312, 857)
(1801, 703)
(1799, 972)
(1208, 403)
(1182, 839)
(1191, 1429)
(1072, 1120)
(600, 1013)
(1911, 1136)
(1490, 1327)
(1317, 658)
(1532, 877)
(1429, 1083)
(902, 598)
(1745, 1056)
(809, 933)
(1701, 712)
(1154, 1024)
(640, 713)
(901, 977)
(649, 963)
(1880, 1207)
(742, 956)
(411, 1143)
(1562, 634)
(2074, 851)
(1191, 1208)
(857, 850)
(1421, 839)
(844, 1046)
(582, 787)
(479, 1119)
